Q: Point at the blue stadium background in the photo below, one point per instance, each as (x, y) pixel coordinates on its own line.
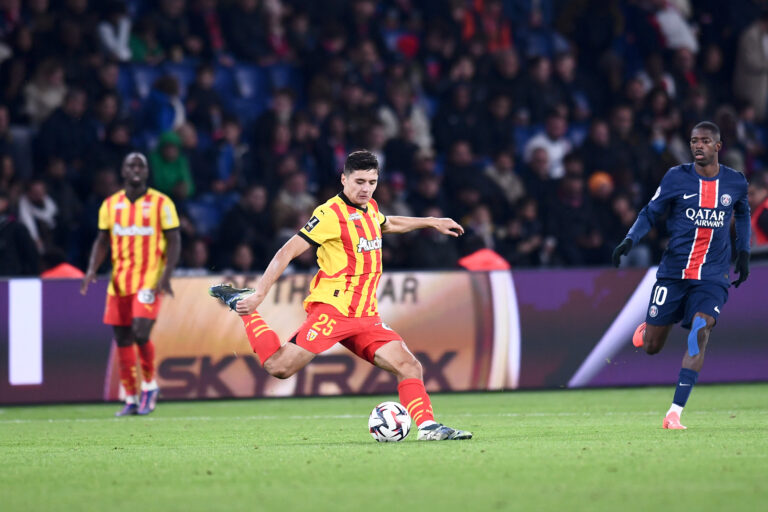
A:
(541, 125)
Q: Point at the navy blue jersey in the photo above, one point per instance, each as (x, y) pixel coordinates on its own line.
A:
(699, 223)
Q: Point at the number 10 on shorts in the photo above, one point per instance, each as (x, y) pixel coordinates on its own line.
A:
(659, 295)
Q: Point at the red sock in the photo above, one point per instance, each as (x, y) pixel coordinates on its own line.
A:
(147, 361)
(263, 339)
(414, 397)
(127, 358)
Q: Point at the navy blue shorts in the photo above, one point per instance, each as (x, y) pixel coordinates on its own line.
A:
(673, 300)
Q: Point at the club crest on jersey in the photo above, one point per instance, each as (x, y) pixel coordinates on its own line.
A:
(706, 217)
(355, 216)
(653, 311)
(311, 334)
(725, 199)
(369, 245)
(311, 223)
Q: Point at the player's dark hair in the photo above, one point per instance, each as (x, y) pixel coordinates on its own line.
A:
(360, 161)
(710, 127)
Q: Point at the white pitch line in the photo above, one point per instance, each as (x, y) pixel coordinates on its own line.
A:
(356, 416)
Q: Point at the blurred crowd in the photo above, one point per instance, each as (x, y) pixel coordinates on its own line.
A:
(543, 126)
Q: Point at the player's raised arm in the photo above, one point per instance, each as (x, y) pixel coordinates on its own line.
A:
(290, 250)
(98, 253)
(444, 225)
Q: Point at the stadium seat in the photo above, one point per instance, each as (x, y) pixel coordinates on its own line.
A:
(248, 109)
(522, 135)
(125, 84)
(224, 81)
(205, 214)
(143, 78)
(284, 75)
(430, 104)
(250, 82)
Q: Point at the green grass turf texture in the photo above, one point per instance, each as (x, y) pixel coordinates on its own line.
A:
(550, 450)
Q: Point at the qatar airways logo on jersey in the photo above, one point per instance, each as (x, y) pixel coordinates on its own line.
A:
(133, 230)
(705, 217)
(369, 245)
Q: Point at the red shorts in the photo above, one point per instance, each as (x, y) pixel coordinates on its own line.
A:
(325, 326)
(121, 310)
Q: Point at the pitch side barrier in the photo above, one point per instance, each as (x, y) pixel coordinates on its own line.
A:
(498, 330)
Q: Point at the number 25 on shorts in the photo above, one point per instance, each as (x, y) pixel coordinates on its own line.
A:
(324, 324)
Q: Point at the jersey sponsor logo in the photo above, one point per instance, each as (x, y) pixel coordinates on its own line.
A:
(311, 223)
(120, 206)
(653, 311)
(705, 217)
(725, 200)
(133, 230)
(369, 245)
(688, 196)
(355, 216)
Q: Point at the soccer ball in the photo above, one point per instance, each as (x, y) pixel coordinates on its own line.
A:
(389, 422)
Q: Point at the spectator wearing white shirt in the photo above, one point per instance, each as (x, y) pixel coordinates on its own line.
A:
(115, 31)
(38, 211)
(674, 28)
(553, 141)
(750, 77)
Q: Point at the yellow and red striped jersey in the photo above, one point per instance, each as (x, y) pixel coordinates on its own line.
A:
(349, 255)
(137, 240)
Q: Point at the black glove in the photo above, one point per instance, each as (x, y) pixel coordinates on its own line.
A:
(622, 249)
(741, 267)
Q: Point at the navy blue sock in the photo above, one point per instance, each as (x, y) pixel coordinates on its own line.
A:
(685, 382)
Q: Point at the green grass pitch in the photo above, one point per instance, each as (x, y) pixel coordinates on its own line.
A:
(555, 450)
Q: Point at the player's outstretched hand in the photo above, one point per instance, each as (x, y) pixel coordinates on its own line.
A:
(248, 305)
(741, 267)
(622, 249)
(449, 227)
(89, 278)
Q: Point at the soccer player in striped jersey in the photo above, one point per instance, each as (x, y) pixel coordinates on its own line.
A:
(692, 280)
(140, 227)
(342, 306)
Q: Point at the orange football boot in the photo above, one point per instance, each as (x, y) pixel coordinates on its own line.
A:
(672, 422)
(637, 338)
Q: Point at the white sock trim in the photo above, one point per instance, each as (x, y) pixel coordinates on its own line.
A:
(675, 408)
(149, 386)
(427, 423)
(130, 399)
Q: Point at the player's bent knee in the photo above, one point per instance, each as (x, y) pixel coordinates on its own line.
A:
(652, 347)
(410, 368)
(710, 321)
